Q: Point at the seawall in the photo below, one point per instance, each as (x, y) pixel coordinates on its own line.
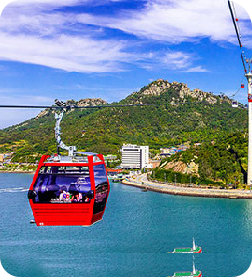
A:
(188, 191)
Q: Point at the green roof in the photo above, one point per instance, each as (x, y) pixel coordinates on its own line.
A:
(183, 274)
(186, 274)
(183, 250)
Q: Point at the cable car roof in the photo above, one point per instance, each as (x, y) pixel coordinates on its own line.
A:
(73, 159)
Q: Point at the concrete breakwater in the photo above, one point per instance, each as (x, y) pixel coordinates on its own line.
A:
(142, 182)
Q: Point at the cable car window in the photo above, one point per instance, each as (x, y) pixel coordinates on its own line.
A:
(58, 184)
(96, 159)
(101, 188)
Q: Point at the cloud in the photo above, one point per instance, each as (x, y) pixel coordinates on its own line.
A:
(43, 5)
(66, 52)
(44, 34)
(178, 60)
(175, 21)
(197, 69)
(175, 60)
(46, 4)
(48, 39)
(55, 39)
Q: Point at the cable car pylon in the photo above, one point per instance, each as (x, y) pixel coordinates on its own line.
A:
(248, 74)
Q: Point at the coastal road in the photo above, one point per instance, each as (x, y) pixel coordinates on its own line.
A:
(142, 182)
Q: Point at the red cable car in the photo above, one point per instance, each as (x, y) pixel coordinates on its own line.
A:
(242, 85)
(69, 190)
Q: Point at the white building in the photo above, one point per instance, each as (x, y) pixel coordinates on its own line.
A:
(134, 156)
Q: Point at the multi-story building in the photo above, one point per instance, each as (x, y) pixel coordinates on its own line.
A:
(134, 156)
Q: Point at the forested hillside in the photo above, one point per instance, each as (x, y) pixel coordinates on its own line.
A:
(181, 115)
(222, 160)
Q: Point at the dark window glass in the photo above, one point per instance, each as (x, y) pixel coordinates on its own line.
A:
(101, 188)
(58, 184)
(126, 150)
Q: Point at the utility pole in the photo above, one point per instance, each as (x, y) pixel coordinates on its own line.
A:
(249, 78)
(248, 74)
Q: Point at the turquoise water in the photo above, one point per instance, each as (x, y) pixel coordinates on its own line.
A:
(137, 231)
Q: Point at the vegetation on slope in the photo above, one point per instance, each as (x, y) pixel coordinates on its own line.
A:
(223, 160)
(180, 115)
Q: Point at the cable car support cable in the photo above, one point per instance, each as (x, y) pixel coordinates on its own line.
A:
(237, 31)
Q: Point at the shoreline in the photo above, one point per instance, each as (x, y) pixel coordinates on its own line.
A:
(17, 171)
(143, 183)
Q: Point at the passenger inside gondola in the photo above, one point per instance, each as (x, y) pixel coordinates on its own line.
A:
(86, 199)
(77, 197)
(62, 184)
(64, 195)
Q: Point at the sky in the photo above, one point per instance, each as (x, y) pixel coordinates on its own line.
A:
(75, 49)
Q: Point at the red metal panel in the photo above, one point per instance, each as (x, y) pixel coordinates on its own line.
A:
(97, 217)
(46, 214)
(91, 173)
(41, 163)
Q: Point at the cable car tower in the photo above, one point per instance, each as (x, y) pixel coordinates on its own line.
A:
(248, 74)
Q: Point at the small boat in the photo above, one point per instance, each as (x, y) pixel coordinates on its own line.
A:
(195, 273)
(117, 179)
(195, 249)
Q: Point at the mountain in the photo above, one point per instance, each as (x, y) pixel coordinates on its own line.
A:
(181, 115)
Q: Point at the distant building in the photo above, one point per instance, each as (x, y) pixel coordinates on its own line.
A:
(167, 152)
(110, 157)
(5, 157)
(134, 156)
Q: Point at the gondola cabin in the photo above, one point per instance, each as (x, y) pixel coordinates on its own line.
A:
(235, 104)
(69, 190)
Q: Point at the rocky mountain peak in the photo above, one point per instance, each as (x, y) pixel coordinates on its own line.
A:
(155, 88)
(80, 103)
(182, 91)
(91, 102)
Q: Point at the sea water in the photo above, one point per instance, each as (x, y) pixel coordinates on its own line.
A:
(137, 231)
